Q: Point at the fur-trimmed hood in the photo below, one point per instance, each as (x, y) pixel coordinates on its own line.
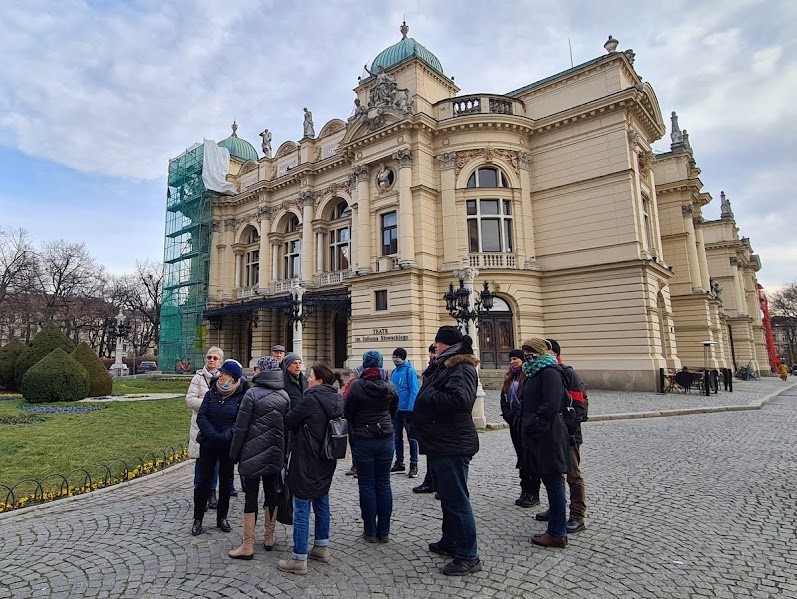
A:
(461, 359)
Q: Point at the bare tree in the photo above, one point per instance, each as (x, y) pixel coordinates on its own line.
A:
(141, 293)
(17, 260)
(784, 315)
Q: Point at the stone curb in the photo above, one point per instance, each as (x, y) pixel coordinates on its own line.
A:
(756, 404)
(10, 515)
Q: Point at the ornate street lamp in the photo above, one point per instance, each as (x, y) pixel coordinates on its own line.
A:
(459, 306)
(117, 329)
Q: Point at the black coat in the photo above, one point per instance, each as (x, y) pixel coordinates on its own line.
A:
(294, 388)
(546, 448)
(310, 475)
(442, 419)
(258, 443)
(216, 416)
(370, 407)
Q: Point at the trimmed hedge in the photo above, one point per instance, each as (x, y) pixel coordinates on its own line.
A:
(9, 354)
(48, 339)
(56, 377)
(100, 382)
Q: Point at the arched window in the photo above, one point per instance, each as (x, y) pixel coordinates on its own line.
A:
(251, 263)
(487, 177)
(339, 237)
(489, 225)
(292, 249)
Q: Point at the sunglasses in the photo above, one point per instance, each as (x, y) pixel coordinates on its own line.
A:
(213, 358)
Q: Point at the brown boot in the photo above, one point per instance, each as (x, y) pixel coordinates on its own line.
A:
(546, 540)
(269, 527)
(247, 548)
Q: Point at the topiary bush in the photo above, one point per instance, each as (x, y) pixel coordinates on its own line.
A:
(56, 377)
(8, 357)
(100, 382)
(48, 339)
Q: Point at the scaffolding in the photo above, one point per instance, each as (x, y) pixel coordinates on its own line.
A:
(186, 263)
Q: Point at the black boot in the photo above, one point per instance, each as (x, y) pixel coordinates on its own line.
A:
(196, 529)
(222, 524)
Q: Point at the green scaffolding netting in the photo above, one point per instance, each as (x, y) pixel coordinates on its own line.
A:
(186, 261)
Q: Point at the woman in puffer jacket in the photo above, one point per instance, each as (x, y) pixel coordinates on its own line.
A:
(200, 384)
(258, 446)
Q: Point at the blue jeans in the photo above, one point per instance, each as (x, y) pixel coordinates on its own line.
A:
(213, 483)
(401, 423)
(373, 458)
(459, 525)
(301, 525)
(557, 503)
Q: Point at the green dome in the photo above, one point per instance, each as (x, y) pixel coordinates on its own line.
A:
(403, 50)
(239, 148)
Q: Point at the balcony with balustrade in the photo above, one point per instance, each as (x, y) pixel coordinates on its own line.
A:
(492, 260)
(462, 106)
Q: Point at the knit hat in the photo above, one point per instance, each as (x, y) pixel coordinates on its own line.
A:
(400, 352)
(278, 348)
(554, 346)
(232, 368)
(372, 359)
(268, 363)
(517, 353)
(290, 359)
(536, 344)
(448, 335)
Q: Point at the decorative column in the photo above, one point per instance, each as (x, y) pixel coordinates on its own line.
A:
(406, 220)
(306, 198)
(275, 256)
(216, 264)
(230, 224)
(741, 300)
(691, 248)
(297, 291)
(362, 173)
(448, 206)
(264, 216)
(319, 255)
(239, 260)
(527, 218)
(468, 274)
(705, 280)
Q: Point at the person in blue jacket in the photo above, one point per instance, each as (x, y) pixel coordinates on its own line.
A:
(406, 382)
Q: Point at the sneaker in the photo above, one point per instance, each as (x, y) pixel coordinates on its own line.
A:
(460, 567)
(398, 467)
(573, 526)
(423, 488)
(543, 516)
(441, 549)
(413, 473)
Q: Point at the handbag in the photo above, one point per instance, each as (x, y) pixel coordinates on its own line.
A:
(284, 501)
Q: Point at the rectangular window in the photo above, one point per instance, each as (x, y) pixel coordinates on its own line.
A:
(293, 259)
(389, 234)
(473, 235)
(491, 235)
(380, 300)
(252, 268)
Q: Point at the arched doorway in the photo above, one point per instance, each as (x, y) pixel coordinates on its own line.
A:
(496, 336)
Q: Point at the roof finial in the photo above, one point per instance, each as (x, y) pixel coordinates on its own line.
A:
(725, 207)
(611, 44)
(676, 137)
(234, 128)
(404, 28)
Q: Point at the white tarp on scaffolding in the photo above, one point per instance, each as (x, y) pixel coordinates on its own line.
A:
(215, 165)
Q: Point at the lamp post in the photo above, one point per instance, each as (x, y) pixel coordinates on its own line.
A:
(706, 375)
(467, 306)
(297, 317)
(117, 329)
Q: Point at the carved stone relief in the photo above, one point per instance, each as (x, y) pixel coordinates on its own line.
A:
(263, 213)
(230, 224)
(404, 157)
(447, 160)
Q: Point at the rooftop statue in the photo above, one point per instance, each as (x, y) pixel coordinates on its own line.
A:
(266, 147)
(309, 131)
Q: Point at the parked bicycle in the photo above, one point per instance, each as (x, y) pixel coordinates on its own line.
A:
(746, 373)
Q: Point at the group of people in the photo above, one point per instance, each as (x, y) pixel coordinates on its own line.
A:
(544, 403)
(273, 428)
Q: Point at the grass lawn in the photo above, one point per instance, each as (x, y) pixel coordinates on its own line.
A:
(118, 430)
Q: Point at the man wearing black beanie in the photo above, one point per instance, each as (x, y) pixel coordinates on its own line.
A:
(443, 424)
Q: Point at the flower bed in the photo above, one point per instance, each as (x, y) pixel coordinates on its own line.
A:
(78, 482)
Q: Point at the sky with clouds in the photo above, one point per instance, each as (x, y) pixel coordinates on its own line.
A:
(96, 96)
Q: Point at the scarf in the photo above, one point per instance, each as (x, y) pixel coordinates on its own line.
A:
(532, 367)
(512, 396)
(225, 394)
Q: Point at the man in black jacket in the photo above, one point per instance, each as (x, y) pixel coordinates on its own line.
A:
(295, 381)
(443, 422)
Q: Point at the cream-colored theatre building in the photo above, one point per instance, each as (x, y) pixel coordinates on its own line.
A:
(550, 192)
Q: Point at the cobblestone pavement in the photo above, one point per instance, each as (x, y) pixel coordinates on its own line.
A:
(694, 506)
